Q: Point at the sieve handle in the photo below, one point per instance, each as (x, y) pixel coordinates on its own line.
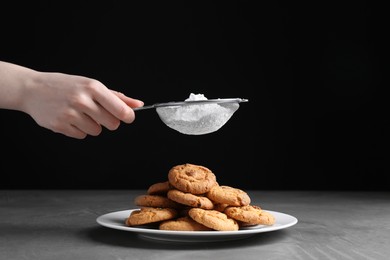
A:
(192, 102)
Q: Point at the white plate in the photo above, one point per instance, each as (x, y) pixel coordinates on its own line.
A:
(116, 220)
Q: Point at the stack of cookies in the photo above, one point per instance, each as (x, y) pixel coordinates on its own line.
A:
(192, 200)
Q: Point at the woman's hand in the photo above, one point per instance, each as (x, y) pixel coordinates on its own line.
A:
(75, 106)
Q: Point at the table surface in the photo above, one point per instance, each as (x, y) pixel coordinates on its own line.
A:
(61, 224)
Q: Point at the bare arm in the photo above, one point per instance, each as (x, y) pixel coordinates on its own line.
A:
(75, 106)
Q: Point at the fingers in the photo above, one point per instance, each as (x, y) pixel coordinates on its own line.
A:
(87, 125)
(131, 102)
(115, 103)
(74, 132)
(76, 124)
(95, 114)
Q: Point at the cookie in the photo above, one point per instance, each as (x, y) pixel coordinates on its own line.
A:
(148, 215)
(183, 224)
(251, 214)
(191, 178)
(159, 188)
(157, 201)
(189, 199)
(245, 224)
(266, 218)
(229, 195)
(213, 219)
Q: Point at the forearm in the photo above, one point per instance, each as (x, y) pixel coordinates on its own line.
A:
(14, 80)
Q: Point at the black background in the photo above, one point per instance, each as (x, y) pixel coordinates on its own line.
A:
(315, 75)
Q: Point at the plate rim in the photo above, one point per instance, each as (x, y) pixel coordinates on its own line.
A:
(101, 220)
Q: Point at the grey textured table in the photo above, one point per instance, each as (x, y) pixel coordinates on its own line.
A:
(61, 224)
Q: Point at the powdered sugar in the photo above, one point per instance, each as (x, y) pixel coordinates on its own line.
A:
(197, 119)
